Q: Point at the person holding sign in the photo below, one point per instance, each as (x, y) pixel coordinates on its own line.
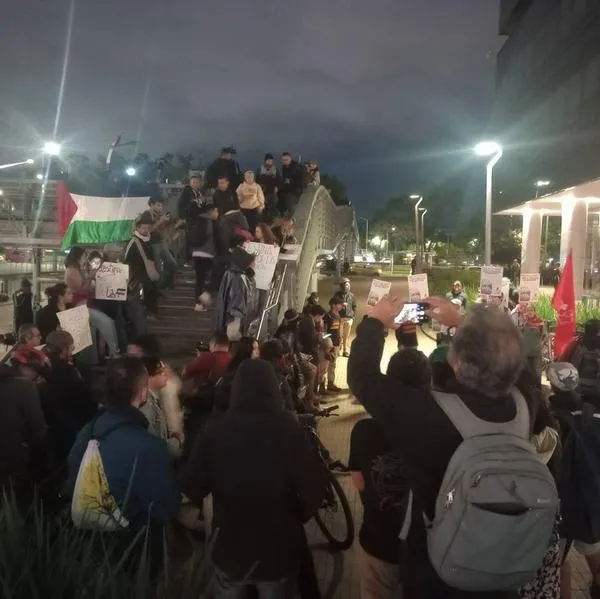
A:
(348, 312)
(79, 280)
(237, 299)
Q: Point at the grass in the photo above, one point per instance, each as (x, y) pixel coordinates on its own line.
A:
(441, 279)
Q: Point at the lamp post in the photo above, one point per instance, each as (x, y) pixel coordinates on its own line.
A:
(423, 213)
(366, 232)
(419, 199)
(494, 150)
(539, 185)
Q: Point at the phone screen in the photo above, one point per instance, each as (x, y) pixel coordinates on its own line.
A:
(414, 312)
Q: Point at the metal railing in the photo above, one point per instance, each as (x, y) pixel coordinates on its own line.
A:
(321, 227)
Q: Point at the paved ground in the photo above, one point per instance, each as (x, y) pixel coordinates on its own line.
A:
(338, 573)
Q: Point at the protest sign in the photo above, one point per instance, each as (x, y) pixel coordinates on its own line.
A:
(77, 322)
(379, 289)
(291, 251)
(529, 288)
(418, 287)
(491, 281)
(266, 261)
(505, 295)
(111, 281)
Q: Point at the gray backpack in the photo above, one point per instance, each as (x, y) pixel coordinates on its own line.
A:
(497, 506)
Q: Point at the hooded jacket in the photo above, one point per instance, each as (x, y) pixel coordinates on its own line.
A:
(264, 477)
(238, 298)
(250, 196)
(223, 167)
(136, 464)
(293, 177)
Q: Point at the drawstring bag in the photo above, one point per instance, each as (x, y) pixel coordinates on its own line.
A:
(93, 507)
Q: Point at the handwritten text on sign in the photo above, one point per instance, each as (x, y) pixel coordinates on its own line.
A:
(77, 322)
(266, 261)
(111, 281)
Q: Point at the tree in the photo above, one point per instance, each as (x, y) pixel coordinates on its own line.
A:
(335, 187)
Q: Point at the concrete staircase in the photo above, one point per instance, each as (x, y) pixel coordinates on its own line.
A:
(179, 327)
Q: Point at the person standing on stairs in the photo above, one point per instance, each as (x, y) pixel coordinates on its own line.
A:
(163, 258)
(205, 243)
(142, 276)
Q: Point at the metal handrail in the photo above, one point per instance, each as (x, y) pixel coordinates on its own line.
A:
(276, 283)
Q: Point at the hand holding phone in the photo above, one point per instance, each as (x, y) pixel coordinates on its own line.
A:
(413, 312)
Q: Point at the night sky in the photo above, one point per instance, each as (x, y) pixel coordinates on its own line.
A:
(386, 94)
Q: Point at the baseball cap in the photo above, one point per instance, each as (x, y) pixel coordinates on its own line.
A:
(563, 376)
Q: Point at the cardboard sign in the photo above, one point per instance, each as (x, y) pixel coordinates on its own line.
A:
(266, 261)
(418, 287)
(529, 287)
(491, 281)
(77, 322)
(111, 281)
(379, 289)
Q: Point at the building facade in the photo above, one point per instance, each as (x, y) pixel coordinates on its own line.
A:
(547, 104)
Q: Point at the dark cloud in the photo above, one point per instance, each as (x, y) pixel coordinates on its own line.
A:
(369, 88)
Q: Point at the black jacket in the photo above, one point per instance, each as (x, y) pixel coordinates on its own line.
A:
(23, 428)
(138, 275)
(425, 440)
(222, 167)
(293, 178)
(265, 479)
(268, 179)
(225, 201)
(229, 222)
(189, 200)
(308, 339)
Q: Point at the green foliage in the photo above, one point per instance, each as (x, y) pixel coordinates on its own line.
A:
(337, 189)
(441, 279)
(43, 557)
(584, 311)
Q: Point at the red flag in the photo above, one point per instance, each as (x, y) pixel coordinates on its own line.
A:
(564, 304)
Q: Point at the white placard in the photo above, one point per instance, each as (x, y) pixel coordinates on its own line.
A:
(418, 287)
(491, 281)
(292, 252)
(266, 261)
(529, 287)
(111, 281)
(379, 289)
(77, 322)
(505, 295)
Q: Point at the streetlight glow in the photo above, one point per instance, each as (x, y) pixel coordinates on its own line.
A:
(39, 176)
(376, 241)
(52, 148)
(414, 196)
(130, 171)
(487, 148)
(30, 161)
(542, 183)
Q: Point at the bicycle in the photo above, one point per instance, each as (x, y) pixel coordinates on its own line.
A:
(340, 538)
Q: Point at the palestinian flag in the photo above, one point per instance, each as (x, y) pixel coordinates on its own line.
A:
(84, 220)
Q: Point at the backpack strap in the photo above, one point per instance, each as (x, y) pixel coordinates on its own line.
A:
(469, 425)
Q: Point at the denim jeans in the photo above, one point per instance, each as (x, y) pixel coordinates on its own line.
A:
(165, 263)
(105, 325)
(223, 588)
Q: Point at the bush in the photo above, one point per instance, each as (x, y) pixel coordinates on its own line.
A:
(584, 311)
(441, 279)
(43, 556)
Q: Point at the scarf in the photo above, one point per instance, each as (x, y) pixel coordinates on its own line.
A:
(144, 238)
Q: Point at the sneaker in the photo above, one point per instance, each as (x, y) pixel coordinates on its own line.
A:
(199, 308)
(334, 388)
(339, 468)
(323, 390)
(205, 299)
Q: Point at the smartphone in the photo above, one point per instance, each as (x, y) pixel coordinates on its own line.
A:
(413, 312)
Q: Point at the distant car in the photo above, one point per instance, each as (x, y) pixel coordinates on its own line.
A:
(366, 270)
(326, 264)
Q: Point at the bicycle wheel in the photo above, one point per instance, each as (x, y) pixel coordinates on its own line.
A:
(339, 532)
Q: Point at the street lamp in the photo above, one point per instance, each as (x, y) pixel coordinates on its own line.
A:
(39, 177)
(366, 232)
(419, 199)
(130, 171)
(11, 164)
(423, 213)
(494, 150)
(51, 148)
